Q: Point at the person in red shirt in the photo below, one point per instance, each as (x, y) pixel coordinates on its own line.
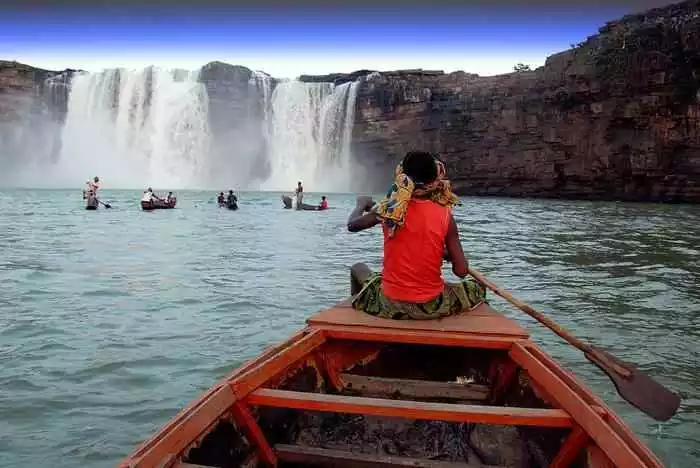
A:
(324, 203)
(419, 233)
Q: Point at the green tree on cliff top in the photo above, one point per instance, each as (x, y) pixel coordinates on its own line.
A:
(521, 67)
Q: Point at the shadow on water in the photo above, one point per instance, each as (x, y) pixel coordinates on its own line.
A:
(114, 319)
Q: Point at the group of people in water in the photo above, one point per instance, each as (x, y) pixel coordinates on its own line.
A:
(419, 234)
(92, 201)
(300, 205)
(149, 196)
(231, 200)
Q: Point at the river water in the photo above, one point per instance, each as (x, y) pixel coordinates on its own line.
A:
(112, 321)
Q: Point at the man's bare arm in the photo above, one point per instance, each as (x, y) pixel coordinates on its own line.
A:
(454, 252)
(358, 219)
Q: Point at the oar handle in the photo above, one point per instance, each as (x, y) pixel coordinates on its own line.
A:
(540, 317)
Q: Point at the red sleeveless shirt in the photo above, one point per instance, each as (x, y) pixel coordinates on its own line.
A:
(412, 270)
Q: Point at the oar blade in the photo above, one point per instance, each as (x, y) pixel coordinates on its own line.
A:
(640, 390)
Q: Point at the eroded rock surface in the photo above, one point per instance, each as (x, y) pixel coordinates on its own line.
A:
(616, 117)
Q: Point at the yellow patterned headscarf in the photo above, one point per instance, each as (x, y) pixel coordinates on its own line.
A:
(393, 208)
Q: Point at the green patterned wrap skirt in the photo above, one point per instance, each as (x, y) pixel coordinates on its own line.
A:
(456, 298)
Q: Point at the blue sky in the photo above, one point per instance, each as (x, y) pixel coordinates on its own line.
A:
(287, 42)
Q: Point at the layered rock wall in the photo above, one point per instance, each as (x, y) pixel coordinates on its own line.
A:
(32, 108)
(617, 117)
(236, 119)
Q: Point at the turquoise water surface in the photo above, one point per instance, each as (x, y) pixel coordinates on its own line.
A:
(111, 321)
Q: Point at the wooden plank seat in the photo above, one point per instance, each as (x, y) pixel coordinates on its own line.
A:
(509, 416)
(314, 456)
(409, 388)
(480, 320)
(479, 327)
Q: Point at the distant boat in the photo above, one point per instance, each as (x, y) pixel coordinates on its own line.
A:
(287, 201)
(158, 204)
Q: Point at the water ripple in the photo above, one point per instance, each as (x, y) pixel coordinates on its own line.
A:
(113, 320)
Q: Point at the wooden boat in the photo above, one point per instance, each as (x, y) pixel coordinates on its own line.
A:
(287, 204)
(158, 204)
(351, 389)
(91, 201)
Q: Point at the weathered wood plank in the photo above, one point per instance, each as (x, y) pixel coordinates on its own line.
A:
(186, 431)
(414, 388)
(313, 456)
(264, 370)
(254, 434)
(570, 449)
(587, 416)
(386, 335)
(503, 415)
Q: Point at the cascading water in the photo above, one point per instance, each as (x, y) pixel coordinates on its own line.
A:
(166, 129)
(311, 135)
(136, 127)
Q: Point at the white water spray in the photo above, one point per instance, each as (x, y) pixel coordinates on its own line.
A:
(135, 128)
(154, 127)
(311, 136)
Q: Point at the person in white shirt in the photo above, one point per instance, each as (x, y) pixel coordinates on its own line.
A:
(92, 186)
(148, 195)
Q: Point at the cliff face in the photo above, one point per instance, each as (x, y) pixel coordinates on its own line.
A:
(615, 118)
(32, 108)
(236, 99)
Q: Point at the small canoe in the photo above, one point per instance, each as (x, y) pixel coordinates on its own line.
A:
(158, 204)
(91, 203)
(287, 204)
(354, 390)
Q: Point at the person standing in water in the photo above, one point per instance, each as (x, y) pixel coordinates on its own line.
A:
(300, 195)
(221, 200)
(419, 232)
(92, 187)
(232, 199)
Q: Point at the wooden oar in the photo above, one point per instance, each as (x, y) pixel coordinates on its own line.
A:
(633, 385)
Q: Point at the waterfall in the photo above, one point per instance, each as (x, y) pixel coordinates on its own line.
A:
(135, 127)
(311, 136)
(263, 85)
(222, 126)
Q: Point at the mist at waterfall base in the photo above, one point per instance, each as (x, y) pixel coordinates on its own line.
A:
(158, 127)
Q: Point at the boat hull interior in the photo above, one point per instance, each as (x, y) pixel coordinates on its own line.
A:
(356, 390)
